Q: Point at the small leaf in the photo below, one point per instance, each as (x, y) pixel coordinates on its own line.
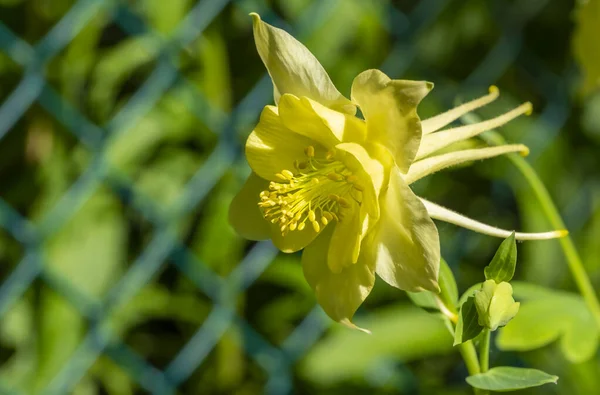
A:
(506, 378)
(427, 300)
(502, 266)
(467, 326)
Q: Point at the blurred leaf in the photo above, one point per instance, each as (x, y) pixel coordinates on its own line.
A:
(214, 76)
(165, 177)
(449, 295)
(502, 266)
(585, 43)
(286, 271)
(153, 302)
(80, 58)
(546, 316)
(467, 326)
(10, 3)
(216, 231)
(403, 333)
(115, 67)
(506, 378)
(114, 379)
(163, 16)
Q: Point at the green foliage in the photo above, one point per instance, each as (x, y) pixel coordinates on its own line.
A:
(505, 378)
(400, 333)
(502, 266)
(94, 233)
(546, 316)
(585, 43)
(468, 326)
(449, 295)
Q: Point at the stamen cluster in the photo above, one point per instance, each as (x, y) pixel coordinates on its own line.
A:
(319, 191)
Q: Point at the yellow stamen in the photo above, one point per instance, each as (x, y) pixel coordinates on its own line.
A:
(316, 195)
(310, 151)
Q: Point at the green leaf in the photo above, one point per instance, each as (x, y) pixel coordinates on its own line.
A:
(495, 304)
(585, 43)
(467, 326)
(506, 378)
(400, 333)
(546, 316)
(502, 266)
(449, 294)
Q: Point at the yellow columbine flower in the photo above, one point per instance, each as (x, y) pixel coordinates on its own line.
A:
(337, 186)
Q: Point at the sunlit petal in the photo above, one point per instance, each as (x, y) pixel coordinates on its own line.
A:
(340, 294)
(271, 147)
(408, 246)
(294, 69)
(390, 109)
(244, 215)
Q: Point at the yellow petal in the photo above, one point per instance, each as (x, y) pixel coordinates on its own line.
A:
(317, 122)
(370, 171)
(443, 214)
(390, 109)
(292, 241)
(432, 164)
(271, 147)
(244, 215)
(340, 294)
(408, 254)
(344, 246)
(294, 69)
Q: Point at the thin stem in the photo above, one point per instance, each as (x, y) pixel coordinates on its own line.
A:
(573, 260)
(467, 349)
(469, 355)
(484, 351)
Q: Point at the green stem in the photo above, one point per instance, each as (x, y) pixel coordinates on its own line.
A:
(469, 355)
(467, 349)
(484, 351)
(573, 260)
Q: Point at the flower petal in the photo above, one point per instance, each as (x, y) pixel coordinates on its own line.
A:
(436, 141)
(292, 241)
(368, 170)
(294, 69)
(344, 246)
(390, 109)
(319, 123)
(271, 147)
(340, 294)
(437, 122)
(408, 252)
(447, 215)
(432, 164)
(244, 215)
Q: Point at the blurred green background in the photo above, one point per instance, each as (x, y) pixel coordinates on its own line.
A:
(121, 132)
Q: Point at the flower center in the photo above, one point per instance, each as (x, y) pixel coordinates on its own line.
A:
(318, 192)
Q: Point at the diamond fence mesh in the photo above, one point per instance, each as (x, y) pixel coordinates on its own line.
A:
(127, 148)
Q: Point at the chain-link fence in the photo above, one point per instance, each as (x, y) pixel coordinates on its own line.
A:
(96, 141)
